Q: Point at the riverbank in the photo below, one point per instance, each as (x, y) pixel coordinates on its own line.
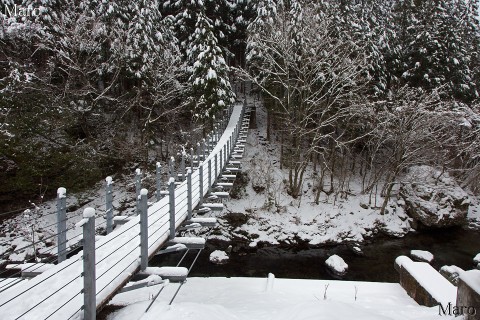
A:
(374, 263)
(261, 210)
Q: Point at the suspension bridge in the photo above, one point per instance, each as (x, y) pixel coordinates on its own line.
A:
(77, 287)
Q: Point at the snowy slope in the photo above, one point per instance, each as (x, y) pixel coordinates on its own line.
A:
(275, 217)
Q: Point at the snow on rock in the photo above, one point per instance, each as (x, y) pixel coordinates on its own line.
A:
(357, 250)
(337, 265)
(451, 273)
(434, 198)
(421, 255)
(21, 255)
(3, 250)
(219, 257)
(476, 260)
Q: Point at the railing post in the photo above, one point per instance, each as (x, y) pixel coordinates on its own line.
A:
(171, 194)
(189, 193)
(229, 150)
(221, 161)
(216, 167)
(172, 168)
(209, 174)
(138, 182)
(109, 204)
(200, 181)
(203, 148)
(225, 156)
(143, 208)
(158, 180)
(191, 158)
(225, 119)
(198, 153)
(182, 165)
(61, 224)
(89, 290)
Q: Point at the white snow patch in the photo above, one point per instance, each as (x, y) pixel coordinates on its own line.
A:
(476, 259)
(422, 255)
(472, 279)
(246, 299)
(337, 264)
(89, 213)
(432, 281)
(219, 257)
(61, 192)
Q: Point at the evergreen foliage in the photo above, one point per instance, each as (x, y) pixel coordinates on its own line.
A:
(87, 86)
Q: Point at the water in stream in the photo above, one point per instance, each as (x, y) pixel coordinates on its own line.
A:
(450, 247)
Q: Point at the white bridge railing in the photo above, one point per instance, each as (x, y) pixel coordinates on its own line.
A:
(75, 287)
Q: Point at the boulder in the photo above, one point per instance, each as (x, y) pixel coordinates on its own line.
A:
(218, 257)
(434, 198)
(337, 265)
(421, 256)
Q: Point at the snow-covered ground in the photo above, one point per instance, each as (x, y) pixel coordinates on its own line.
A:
(253, 298)
(274, 217)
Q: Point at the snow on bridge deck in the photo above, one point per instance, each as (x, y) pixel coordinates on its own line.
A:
(57, 293)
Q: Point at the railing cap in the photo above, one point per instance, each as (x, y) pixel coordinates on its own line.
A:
(61, 192)
(88, 213)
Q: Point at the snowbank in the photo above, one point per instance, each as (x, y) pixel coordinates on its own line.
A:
(289, 299)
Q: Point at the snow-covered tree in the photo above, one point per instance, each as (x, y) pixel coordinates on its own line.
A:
(242, 15)
(312, 79)
(184, 16)
(211, 89)
(434, 46)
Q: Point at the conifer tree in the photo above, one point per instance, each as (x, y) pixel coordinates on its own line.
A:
(210, 85)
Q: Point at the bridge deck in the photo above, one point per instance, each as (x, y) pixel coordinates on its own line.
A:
(57, 293)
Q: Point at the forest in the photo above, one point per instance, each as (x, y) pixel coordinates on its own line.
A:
(364, 88)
